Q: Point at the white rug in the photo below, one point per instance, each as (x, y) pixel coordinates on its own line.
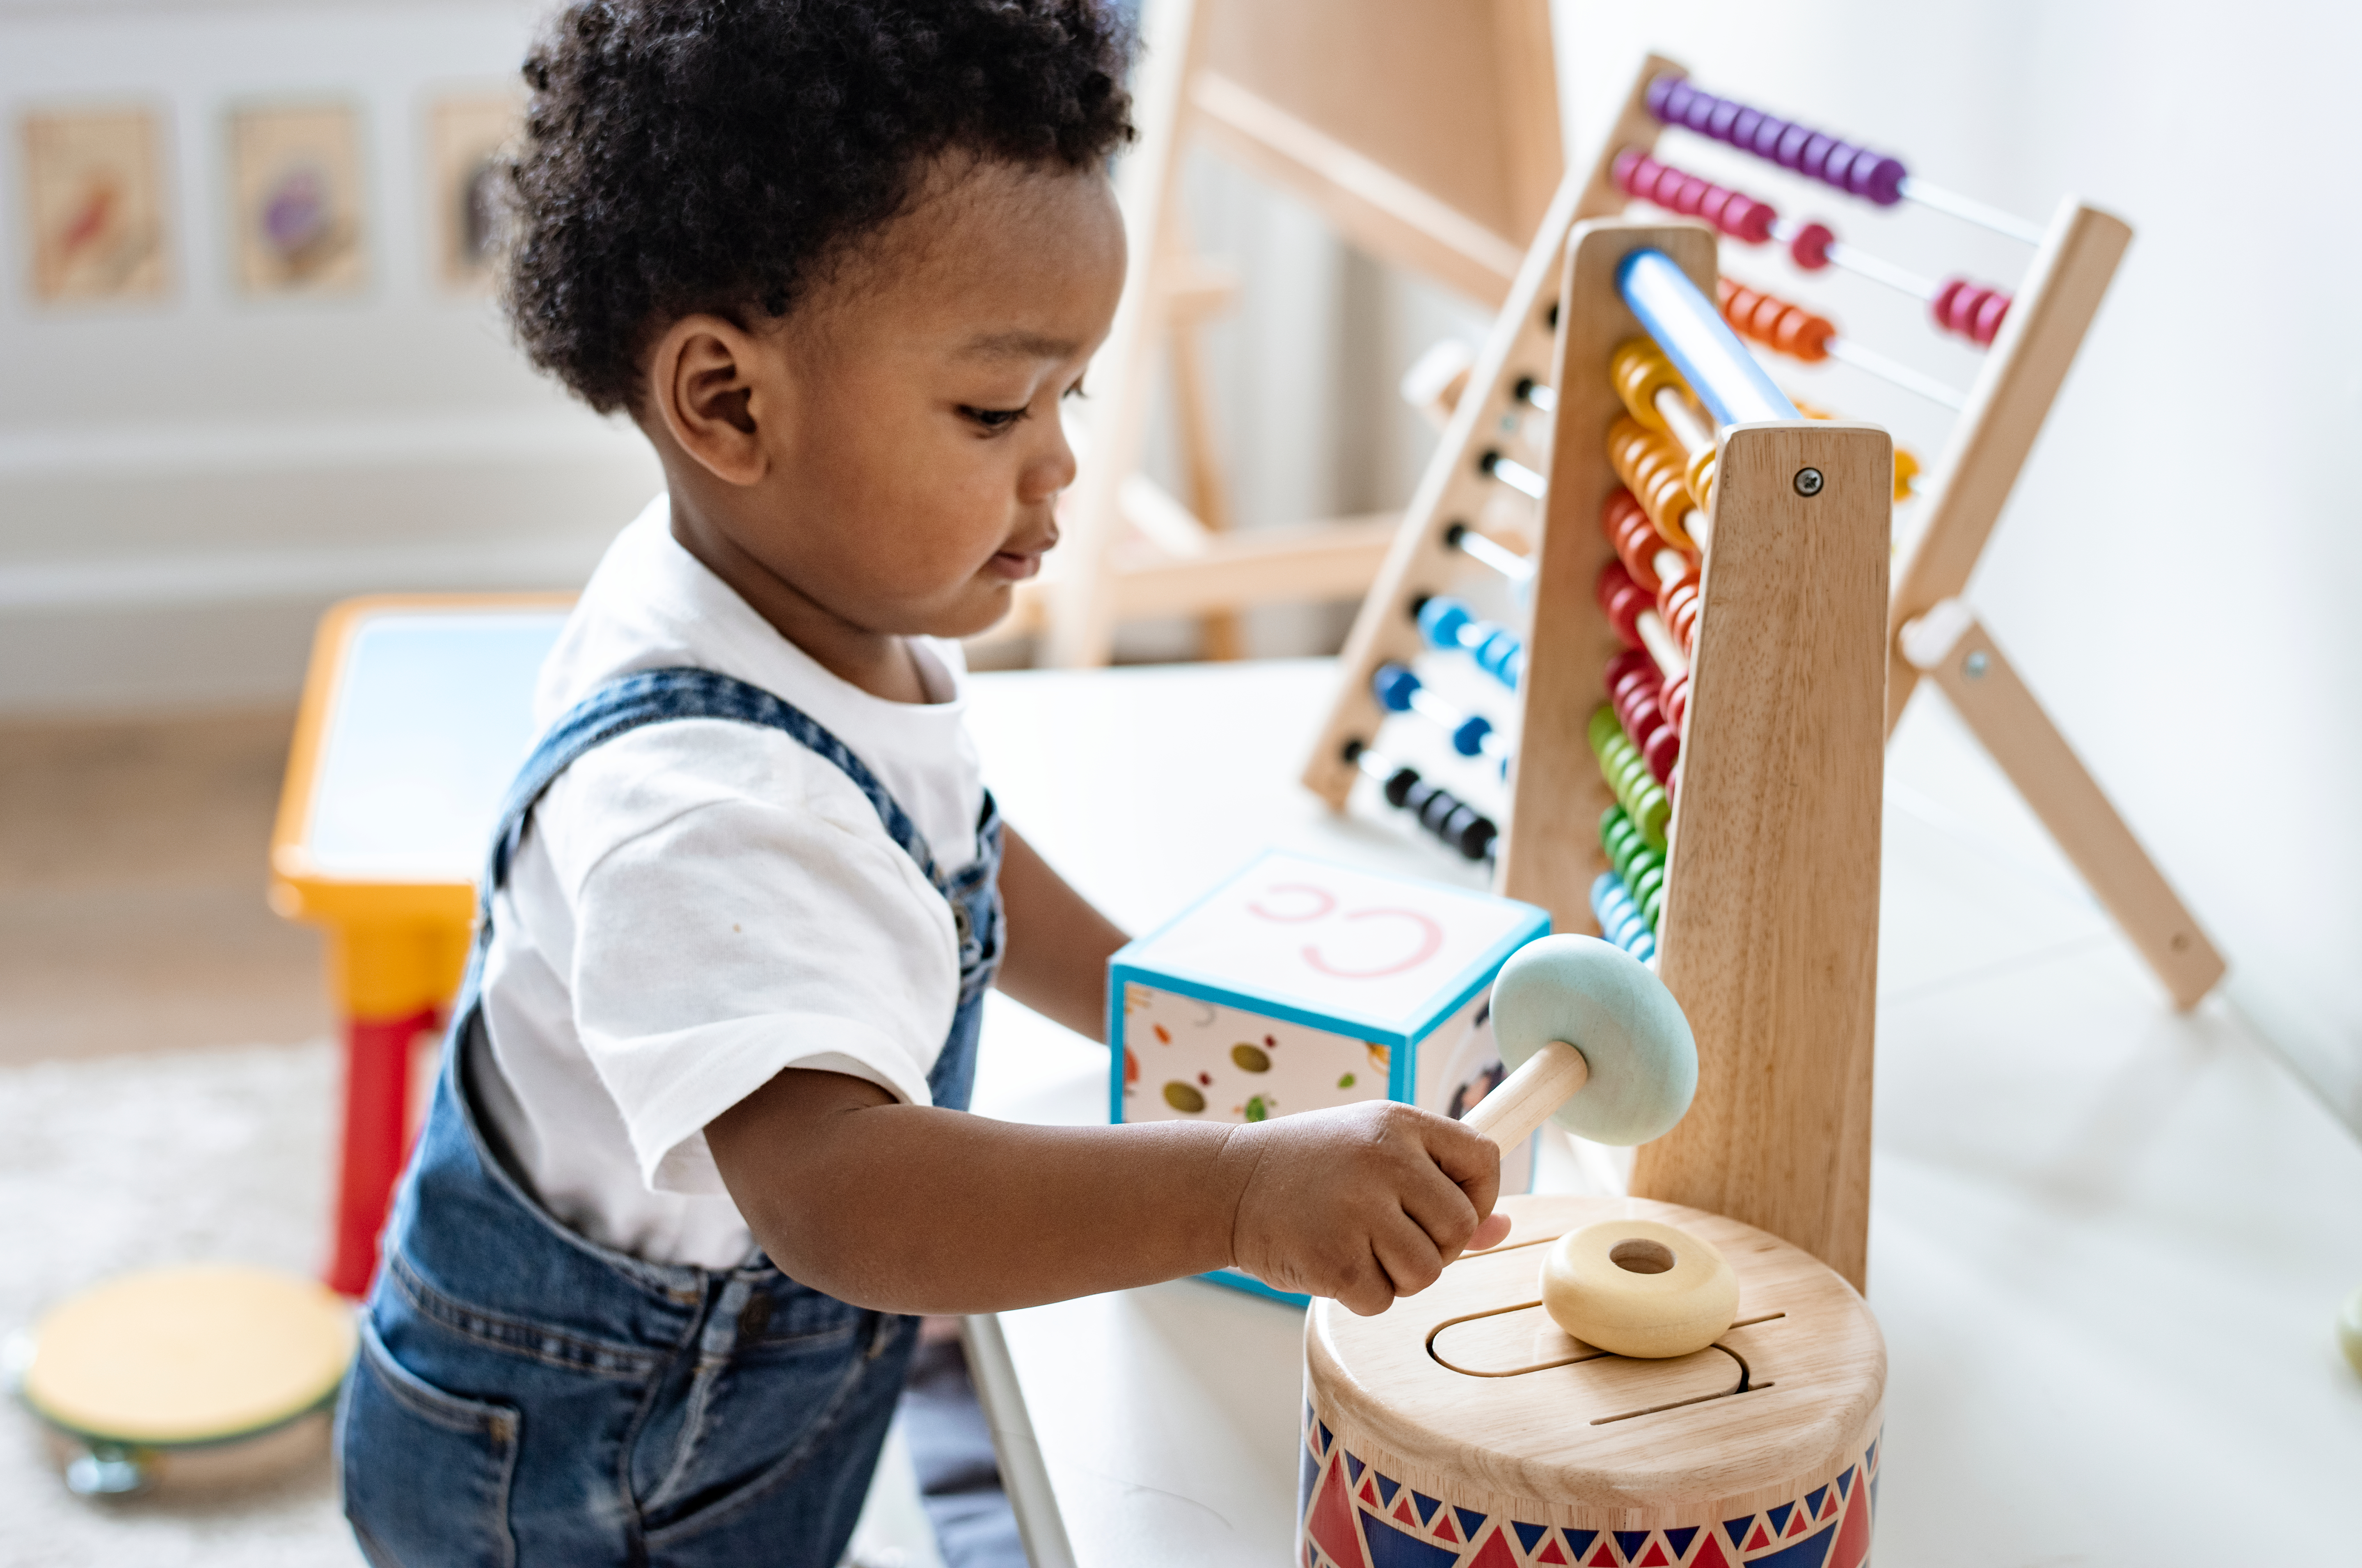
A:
(223, 1156)
(128, 1162)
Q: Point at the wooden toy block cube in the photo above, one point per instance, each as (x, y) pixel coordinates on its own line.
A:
(1298, 985)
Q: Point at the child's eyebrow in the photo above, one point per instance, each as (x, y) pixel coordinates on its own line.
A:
(1016, 345)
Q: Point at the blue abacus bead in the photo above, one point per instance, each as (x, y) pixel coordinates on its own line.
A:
(1441, 620)
(1600, 886)
(1468, 736)
(1394, 686)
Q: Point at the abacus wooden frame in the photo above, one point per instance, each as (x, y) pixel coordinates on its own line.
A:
(1364, 115)
(1770, 931)
(1454, 488)
(2019, 379)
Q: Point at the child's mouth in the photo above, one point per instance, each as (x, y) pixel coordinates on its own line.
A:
(1015, 565)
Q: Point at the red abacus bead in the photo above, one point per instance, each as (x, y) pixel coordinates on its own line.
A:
(1663, 750)
(1676, 700)
(1987, 325)
(1810, 249)
(1626, 693)
(1750, 220)
(1626, 664)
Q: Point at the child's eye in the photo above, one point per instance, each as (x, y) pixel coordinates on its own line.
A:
(993, 418)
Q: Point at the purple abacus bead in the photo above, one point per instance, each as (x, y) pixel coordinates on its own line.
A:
(1987, 325)
(1879, 178)
(1770, 130)
(1838, 165)
(1718, 123)
(1791, 152)
(1815, 158)
(1810, 249)
(1660, 96)
(1743, 126)
(1697, 111)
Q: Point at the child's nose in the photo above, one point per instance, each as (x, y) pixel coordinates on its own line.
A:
(1050, 472)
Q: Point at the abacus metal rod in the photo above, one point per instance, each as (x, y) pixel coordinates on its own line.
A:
(1969, 209)
(1513, 474)
(1901, 375)
(1876, 269)
(1490, 552)
(1709, 356)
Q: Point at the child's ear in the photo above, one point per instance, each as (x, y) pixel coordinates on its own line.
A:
(701, 379)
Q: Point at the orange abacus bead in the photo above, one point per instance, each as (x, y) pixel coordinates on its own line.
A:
(1638, 370)
(1790, 329)
(1650, 464)
(1627, 528)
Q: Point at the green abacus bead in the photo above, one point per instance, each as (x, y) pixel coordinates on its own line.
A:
(1649, 884)
(1607, 821)
(1653, 815)
(1603, 725)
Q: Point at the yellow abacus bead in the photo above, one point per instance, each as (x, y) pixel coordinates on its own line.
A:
(1906, 469)
(1639, 370)
(1699, 478)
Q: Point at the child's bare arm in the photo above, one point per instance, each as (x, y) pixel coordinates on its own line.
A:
(909, 1209)
(1058, 943)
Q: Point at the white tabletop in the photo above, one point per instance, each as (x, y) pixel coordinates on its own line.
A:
(2106, 1242)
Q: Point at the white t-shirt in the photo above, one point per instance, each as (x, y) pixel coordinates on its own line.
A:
(701, 902)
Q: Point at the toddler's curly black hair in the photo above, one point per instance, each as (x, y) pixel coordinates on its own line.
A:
(715, 154)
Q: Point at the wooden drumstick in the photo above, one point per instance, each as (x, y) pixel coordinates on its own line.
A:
(1529, 1097)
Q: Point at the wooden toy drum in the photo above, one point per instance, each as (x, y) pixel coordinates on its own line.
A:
(199, 1374)
(1463, 1429)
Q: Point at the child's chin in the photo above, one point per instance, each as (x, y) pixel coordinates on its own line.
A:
(985, 606)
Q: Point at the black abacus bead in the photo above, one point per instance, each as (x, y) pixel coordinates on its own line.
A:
(1399, 786)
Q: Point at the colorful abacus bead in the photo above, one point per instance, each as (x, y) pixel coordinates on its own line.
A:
(1449, 625)
(1633, 684)
(1440, 812)
(1643, 799)
(1620, 920)
(1790, 329)
(1969, 309)
(1654, 468)
(1623, 600)
(1399, 692)
(1639, 370)
(1644, 179)
(1641, 868)
(1873, 176)
(1635, 537)
(1675, 700)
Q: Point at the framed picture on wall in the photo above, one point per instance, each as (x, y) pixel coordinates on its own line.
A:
(297, 199)
(94, 205)
(466, 135)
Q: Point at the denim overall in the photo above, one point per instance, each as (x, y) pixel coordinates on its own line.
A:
(524, 1396)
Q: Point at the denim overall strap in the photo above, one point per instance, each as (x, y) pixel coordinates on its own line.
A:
(526, 1396)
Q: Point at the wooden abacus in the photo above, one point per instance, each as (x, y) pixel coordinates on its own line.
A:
(1492, 446)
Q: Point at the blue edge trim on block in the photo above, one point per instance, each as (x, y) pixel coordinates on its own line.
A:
(1401, 1060)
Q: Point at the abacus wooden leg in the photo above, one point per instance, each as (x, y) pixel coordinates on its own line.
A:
(2022, 374)
(1956, 652)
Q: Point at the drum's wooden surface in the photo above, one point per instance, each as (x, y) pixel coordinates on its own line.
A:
(1474, 1392)
(198, 1353)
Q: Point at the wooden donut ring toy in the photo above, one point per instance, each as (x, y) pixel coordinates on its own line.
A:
(200, 1373)
(1640, 1288)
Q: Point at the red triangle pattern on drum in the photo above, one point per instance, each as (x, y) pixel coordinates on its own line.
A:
(1656, 1558)
(1402, 1512)
(1495, 1552)
(1853, 1536)
(1710, 1555)
(1550, 1552)
(1331, 1523)
(1602, 1558)
(1757, 1541)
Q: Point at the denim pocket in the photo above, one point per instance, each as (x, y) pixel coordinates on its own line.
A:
(427, 1473)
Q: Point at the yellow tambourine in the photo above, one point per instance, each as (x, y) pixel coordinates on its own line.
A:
(201, 1369)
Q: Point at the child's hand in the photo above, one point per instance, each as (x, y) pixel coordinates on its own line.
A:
(1363, 1203)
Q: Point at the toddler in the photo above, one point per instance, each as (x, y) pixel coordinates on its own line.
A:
(699, 1148)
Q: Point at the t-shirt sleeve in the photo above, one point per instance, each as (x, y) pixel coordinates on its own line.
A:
(742, 927)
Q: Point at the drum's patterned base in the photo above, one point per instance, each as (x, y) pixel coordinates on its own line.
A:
(1352, 1517)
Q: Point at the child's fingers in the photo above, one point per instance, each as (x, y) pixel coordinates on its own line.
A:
(1469, 1158)
(1441, 1207)
(1407, 1254)
(1367, 1290)
(1490, 1232)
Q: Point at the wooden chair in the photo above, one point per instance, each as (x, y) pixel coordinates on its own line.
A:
(1426, 130)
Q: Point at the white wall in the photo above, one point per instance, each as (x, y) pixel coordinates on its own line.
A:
(2178, 572)
(184, 483)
